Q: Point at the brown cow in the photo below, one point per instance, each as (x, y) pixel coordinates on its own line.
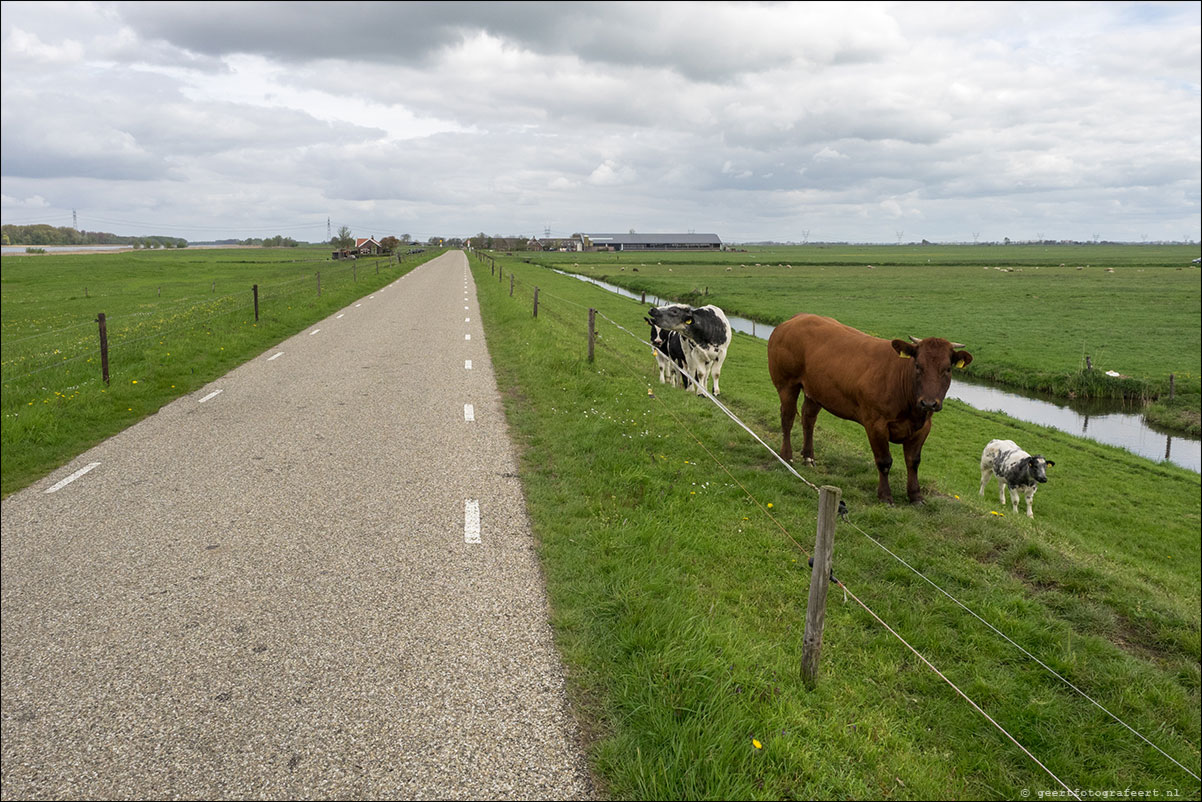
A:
(890, 387)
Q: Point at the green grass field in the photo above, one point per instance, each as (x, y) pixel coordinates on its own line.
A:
(1029, 321)
(674, 546)
(176, 320)
(675, 553)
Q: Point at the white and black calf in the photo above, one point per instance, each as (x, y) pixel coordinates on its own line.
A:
(1015, 469)
(670, 356)
(708, 335)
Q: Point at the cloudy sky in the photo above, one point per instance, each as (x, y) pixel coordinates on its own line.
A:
(864, 122)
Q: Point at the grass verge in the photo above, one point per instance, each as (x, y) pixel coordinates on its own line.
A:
(675, 553)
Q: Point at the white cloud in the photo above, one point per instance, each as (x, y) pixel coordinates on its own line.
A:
(749, 119)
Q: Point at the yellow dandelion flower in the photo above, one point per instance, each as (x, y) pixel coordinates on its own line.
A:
(769, 505)
(756, 744)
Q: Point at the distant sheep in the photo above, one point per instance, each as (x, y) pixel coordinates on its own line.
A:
(1015, 469)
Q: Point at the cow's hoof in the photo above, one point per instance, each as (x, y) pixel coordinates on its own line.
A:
(809, 462)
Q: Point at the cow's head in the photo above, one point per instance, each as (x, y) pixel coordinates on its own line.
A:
(1037, 466)
(673, 317)
(658, 335)
(934, 359)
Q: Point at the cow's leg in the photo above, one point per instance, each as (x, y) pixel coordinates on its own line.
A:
(716, 369)
(912, 449)
(986, 475)
(1030, 494)
(809, 414)
(1001, 492)
(788, 412)
(1014, 499)
(878, 438)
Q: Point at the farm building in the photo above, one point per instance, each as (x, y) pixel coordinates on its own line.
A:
(652, 242)
(367, 246)
(572, 243)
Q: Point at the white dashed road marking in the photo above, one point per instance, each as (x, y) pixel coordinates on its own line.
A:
(211, 395)
(471, 521)
(467, 364)
(469, 413)
(275, 356)
(314, 332)
(467, 336)
(63, 483)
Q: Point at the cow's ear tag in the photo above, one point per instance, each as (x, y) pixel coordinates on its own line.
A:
(960, 364)
(903, 354)
(689, 322)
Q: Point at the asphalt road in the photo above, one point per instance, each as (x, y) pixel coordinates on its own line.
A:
(272, 592)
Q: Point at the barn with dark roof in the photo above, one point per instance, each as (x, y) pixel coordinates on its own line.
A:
(652, 242)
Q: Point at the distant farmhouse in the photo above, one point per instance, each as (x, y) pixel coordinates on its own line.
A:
(629, 242)
(364, 246)
(367, 246)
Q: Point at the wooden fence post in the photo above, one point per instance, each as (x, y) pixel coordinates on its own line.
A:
(592, 331)
(104, 347)
(318, 283)
(511, 285)
(1172, 386)
(536, 301)
(255, 290)
(811, 649)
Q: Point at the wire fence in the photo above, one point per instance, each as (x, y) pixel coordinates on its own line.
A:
(68, 357)
(560, 315)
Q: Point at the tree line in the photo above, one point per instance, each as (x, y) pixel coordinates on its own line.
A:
(43, 234)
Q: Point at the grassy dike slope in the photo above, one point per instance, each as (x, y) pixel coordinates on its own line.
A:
(679, 594)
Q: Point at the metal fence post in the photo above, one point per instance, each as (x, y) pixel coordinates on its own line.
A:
(255, 290)
(828, 511)
(318, 283)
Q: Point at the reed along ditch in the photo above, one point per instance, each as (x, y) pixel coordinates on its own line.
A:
(1114, 423)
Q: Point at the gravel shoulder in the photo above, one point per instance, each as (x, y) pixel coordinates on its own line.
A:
(271, 594)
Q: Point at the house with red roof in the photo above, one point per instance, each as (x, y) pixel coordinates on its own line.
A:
(367, 246)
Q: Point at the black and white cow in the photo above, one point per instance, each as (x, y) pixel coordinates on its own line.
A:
(1015, 469)
(708, 334)
(670, 355)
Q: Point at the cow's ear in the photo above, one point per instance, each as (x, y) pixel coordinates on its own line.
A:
(1049, 462)
(961, 359)
(904, 349)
